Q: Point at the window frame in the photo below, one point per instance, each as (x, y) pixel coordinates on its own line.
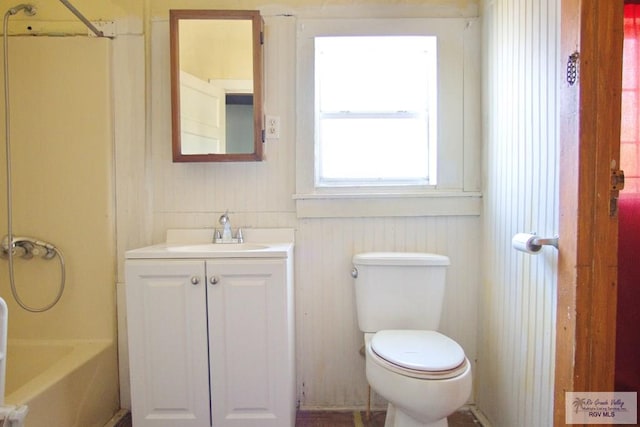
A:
(457, 189)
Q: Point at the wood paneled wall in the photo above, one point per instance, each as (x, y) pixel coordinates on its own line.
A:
(330, 370)
(517, 332)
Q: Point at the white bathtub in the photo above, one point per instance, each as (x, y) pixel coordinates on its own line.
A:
(62, 382)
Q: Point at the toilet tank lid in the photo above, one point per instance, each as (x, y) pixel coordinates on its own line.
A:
(400, 258)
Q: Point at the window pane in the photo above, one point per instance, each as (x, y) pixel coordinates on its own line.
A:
(374, 73)
(374, 149)
(374, 100)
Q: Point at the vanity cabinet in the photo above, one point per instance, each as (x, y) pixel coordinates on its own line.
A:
(211, 342)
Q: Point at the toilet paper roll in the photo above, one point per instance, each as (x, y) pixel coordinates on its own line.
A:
(524, 242)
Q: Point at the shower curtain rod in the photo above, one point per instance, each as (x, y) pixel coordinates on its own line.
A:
(81, 17)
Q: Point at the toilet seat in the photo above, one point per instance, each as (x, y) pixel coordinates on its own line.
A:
(418, 354)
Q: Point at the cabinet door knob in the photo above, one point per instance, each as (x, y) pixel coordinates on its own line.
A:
(195, 280)
(214, 280)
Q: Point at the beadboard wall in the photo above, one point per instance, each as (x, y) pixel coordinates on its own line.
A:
(517, 332)
(330, 370)
(504, 318)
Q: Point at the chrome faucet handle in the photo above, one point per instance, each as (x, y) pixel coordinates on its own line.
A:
(239, 236)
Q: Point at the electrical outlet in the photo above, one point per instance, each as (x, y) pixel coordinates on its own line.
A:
(272, 127)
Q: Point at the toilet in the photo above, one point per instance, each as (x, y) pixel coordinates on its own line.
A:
(423, 374)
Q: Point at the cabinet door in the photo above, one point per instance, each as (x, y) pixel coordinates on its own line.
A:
(251, 343)
(167, 328)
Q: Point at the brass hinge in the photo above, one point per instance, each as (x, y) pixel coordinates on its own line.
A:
(617, 180)
(617, 184)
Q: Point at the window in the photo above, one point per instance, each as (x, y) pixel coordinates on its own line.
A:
(630, 130)
(388, 117)
(375, 110)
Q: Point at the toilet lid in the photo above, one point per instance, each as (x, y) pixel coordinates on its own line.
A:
(418, 350)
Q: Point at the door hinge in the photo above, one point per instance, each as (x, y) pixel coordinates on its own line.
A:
(616, 185)
(617, 180)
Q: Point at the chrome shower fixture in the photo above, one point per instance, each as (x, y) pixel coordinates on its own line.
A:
(27, 248)
(82, 18)
(29, 9)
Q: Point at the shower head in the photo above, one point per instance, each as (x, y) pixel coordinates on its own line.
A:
(29, 9)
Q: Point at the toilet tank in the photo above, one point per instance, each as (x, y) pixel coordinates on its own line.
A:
(399, 290)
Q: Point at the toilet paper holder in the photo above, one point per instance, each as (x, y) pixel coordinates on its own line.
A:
(531, 243)
(546, 241)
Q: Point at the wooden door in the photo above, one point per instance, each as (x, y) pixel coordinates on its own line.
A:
(590, 150)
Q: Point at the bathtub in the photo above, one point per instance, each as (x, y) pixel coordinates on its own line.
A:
(62, 382)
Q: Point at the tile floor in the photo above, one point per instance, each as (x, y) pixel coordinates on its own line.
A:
(462, 418)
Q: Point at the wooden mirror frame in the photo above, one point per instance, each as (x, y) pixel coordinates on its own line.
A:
(175, 15)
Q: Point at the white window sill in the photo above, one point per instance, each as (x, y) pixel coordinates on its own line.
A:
(350, 205)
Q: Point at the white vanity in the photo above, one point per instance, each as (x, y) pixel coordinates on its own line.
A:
(211, 331)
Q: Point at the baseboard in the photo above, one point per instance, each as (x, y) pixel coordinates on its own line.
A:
(115, 421)
(484, 421)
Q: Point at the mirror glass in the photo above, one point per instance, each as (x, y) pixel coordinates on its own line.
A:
(216, 85)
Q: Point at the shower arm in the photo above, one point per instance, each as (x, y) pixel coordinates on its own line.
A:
(81, 17)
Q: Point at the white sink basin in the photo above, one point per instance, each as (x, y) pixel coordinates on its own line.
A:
(218, 247)
(196, 244)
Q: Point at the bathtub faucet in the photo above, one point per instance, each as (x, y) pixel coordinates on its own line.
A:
(27, 248)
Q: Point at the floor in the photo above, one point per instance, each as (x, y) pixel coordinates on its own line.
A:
(462, 418)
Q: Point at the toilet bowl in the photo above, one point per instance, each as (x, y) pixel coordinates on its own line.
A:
(424, 376)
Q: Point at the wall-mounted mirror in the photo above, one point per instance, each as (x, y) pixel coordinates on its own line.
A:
(216, 85)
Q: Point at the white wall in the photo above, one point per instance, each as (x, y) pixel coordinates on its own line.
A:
(330, 371)
(517, 331)
(514, 375)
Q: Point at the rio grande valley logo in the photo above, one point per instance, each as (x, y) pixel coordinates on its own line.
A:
(601, 408)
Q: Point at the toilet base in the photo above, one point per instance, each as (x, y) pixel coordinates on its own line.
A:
(397, 418)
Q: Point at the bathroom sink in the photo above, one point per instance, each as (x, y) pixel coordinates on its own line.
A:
(218, 247)
(196, 244)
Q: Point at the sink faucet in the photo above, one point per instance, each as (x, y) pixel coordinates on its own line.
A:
(226, 227)
(227, 235)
